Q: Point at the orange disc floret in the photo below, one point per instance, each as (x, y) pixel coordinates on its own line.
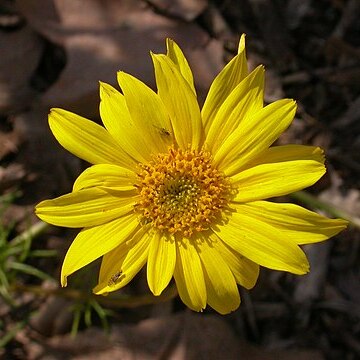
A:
(181, 192)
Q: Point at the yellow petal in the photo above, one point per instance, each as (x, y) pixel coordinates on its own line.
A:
(123, 263)
(180, 101)
(86, 139)
(254, 135)
(106, 175)
(93, 242)
(262, 243)
(137, 255)
(117, 119)
(244, 100)
(89, 207)
(161, 263)
(269, 180)
(288, 153)
(189, 276)
(222, 292)
(176, 55)
(153, 132)
(245, 271)
(241, 46)
(111, 264)
(224, 83)
(300, 225)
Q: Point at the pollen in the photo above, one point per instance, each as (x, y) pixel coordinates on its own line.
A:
(181, 192)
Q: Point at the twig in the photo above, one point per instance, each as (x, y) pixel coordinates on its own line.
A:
(124, 302)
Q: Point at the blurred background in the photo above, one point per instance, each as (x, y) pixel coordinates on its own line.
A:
(53, 53)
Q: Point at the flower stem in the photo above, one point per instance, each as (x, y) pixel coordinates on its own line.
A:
(313, 202)
(32, 232)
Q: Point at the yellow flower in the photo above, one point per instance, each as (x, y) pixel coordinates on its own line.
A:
(181, 190)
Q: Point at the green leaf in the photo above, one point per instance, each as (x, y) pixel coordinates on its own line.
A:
(28, 269)
(43, 253)
(75, 323)
(87, 316)
(9, 335)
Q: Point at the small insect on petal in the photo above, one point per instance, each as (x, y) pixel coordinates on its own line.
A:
(115, 278)
(163, 131)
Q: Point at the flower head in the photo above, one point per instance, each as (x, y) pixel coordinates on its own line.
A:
(181, 190)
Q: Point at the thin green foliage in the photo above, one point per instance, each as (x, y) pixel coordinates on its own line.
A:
(85, 310)
(11, 333)
(16, 253)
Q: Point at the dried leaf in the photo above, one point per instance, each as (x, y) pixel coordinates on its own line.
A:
(15, 73)
(185, 336)
(105, 36)
(184, 9)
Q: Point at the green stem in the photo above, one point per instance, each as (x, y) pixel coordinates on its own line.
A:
(313, 202)
(124, 302)
(32, 232)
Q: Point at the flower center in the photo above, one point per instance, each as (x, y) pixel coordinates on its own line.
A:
(181, 192)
